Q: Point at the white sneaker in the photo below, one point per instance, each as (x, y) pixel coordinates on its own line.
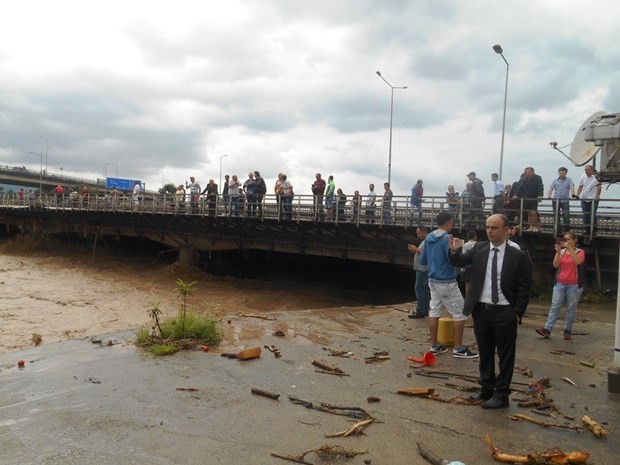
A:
(464, 353)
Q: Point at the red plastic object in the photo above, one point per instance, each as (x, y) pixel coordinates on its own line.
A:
(229, 321)
(21, 363)
(205, 348)
(427, 360)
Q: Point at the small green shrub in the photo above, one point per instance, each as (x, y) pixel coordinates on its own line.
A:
(199, 327)
(143, 336)
(182, 331)
(163, 349)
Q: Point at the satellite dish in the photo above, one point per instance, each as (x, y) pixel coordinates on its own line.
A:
(581, 152)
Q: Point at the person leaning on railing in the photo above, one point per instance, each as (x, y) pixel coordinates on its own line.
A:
(371, 200)
(318, 190)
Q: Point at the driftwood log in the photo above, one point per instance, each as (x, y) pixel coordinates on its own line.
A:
(535, 458)
(593, 426)
(261, 392)
(429, 456)
(546, 424)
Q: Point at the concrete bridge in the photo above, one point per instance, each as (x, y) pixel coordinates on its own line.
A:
(355, 232)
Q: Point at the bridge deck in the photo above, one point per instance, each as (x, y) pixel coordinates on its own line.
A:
(303, 209)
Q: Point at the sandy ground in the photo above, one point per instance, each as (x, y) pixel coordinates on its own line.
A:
(61, 293)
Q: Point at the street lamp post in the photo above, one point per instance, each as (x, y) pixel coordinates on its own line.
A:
(40, 171)
(61, 172)
(221, 158)
(498, 49)
(391, 119)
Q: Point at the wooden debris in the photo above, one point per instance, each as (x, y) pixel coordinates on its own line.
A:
(292, 459)
(377, 357)
(187, 389)
(274, 350)
(429, 456)
(568, 380)
(586, 364)
(545, 382)
(246, 354)
(593, 426)
(338, 352)
(372, 399)
(460, 387)
(555, 456)
(326, 451)
(357, 428)
(561, 352)
(546, 424)
(326, 367)
(356, 413)
(335, 373)
(429, 375)
(432, 396)
(417, 391)
(542, 404)
(525, 371)
(261, 392)
(254, 315)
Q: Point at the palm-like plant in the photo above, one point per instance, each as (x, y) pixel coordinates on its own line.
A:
(154, 313)
(184, 289)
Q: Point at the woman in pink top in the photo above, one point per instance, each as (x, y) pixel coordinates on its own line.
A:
(568, 260)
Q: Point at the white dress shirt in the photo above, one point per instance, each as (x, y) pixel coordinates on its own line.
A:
(485, 295)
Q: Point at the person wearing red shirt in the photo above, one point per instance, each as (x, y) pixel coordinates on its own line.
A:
(568, 260)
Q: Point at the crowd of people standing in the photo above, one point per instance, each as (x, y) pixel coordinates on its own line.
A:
(522, 197)
(518, 200)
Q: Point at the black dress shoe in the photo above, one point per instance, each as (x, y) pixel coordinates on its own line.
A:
(494, 403)
(480, 397)
(415, 315)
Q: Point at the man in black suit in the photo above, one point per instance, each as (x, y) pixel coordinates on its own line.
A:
(497, 298)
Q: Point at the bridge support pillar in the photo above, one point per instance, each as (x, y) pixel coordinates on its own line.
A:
(187, 256)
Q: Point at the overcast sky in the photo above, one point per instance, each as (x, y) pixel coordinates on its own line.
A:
(162, 90)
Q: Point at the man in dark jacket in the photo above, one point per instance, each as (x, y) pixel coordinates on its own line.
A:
(318, 190)
(260, 190)
(531, 191)
(476, 198)
(497, 298)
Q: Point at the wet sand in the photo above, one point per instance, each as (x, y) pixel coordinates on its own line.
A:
(60, 293)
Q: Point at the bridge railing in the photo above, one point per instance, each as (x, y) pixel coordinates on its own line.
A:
(365, 210)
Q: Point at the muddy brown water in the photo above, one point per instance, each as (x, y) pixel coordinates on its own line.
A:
(59, 292)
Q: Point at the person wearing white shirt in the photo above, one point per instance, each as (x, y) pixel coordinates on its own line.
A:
(498, 194)
(562, 189)
(136, 192)
(497, 299)
(590, 192)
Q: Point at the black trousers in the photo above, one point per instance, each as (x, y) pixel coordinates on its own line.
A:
(495, 327)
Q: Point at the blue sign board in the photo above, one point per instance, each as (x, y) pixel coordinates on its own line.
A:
(121, 184)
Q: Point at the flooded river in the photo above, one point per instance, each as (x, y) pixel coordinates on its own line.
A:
(59, 291)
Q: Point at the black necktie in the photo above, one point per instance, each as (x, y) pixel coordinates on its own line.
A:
(494, 291)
